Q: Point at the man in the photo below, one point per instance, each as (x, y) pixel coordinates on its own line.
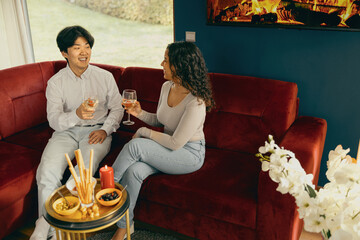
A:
(76, 125)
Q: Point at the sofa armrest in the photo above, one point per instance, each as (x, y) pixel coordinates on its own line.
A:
(277, 216)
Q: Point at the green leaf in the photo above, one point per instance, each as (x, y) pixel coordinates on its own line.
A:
(328, 234)
(310, 191)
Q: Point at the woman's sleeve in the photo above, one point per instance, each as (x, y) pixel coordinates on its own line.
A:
(191, 121)
(151, 118)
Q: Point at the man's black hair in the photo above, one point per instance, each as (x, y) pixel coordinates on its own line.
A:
(67, 37)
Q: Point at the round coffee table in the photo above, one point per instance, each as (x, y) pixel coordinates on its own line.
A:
(76, 227)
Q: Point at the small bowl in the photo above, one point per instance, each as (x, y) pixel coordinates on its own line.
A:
(60, 201)
(70, 185)
(111, 202)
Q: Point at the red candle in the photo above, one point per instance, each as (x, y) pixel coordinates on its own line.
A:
(107, 177)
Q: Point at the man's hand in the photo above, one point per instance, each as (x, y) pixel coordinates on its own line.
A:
(97, 136)
(84, 113)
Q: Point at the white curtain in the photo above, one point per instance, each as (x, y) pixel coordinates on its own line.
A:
(15, 37)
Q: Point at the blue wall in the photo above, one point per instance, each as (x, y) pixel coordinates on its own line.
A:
(324, 64)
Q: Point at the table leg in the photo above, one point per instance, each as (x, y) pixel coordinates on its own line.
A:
(68, 236)
(127, 225)
(78, 236)
(57, 234)
(64, 235)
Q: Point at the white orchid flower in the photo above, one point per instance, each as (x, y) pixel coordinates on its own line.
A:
(265, 166)
(314, 222)
(335, 208)
(340, 234)
(347, 173)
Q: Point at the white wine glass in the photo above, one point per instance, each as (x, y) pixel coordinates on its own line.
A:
(91, 101)
(129, 99)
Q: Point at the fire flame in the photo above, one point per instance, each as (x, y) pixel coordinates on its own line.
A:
(337, 11)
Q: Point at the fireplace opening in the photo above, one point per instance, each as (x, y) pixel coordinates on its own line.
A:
(314, 13)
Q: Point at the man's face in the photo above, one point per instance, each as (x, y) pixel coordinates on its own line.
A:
(78, 55)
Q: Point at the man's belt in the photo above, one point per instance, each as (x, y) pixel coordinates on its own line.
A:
(91, 125)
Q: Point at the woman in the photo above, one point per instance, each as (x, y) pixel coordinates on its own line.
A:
(180, 149)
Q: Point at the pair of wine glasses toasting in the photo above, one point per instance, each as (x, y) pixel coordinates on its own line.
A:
(129, 99)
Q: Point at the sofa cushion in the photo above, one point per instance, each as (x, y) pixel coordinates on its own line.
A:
(119, 139)
(225, 186)
(35, 138)
(18, 213)
(234, 131)
(190, 224)
(17, 172)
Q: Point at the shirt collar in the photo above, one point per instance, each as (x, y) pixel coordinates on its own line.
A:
(85, 74)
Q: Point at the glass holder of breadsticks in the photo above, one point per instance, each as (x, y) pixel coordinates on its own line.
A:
(84, 185)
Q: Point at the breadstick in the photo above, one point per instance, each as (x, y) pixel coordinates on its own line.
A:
(88, 193)
(78, 186)
(73, 173)
(76, 178)
(77, 183)
(68, 160)
(85, 197)
(91, 162)
(92, 186)
(87, 174)
(91, 189)
(84, 171)
(80, 165)
(81, 160)
(91, 171)
(71, 168)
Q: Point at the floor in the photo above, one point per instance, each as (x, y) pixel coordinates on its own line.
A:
(25, 232)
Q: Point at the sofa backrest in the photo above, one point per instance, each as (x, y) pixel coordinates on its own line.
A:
(247, 110)
(147, 82)
(22, 96)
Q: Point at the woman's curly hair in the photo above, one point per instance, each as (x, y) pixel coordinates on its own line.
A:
(188, 64)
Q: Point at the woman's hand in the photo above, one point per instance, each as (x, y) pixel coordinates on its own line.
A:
(142, 132)
(135, 109)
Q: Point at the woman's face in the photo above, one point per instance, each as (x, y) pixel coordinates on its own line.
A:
(166, 67)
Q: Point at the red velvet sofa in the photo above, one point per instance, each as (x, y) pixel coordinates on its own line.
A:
(228, 198)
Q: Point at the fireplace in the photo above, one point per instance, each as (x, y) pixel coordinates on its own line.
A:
(327, 14)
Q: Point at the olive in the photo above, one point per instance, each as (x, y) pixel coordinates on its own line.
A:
(109, 196)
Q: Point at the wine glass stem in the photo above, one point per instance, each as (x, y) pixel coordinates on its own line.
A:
(128, 117)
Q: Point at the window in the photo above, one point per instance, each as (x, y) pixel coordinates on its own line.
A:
(118, 41)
